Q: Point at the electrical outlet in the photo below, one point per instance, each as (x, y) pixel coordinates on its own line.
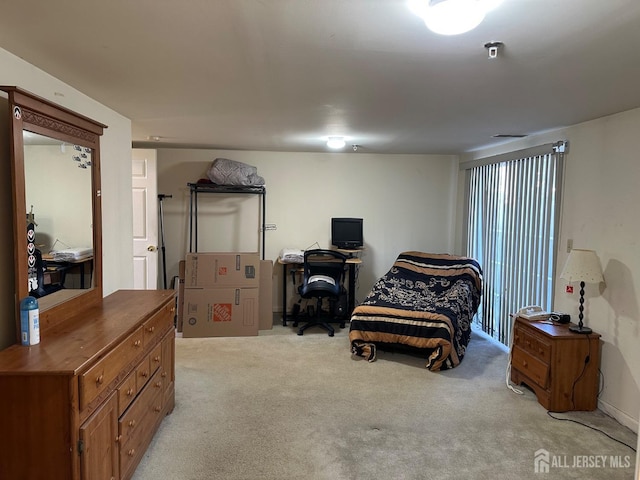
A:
(270, 226)
(568, 289)
(569, 245)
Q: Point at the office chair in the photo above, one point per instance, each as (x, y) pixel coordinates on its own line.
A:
(42, 289)
(323, 277)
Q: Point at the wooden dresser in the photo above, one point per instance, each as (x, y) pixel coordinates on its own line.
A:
(560, 366)
(86, 401)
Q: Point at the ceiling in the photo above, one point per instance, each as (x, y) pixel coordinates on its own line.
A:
(282, 75)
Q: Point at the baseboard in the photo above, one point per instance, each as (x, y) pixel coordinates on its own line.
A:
(619, 415)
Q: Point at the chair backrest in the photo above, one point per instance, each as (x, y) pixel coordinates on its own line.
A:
(41, 290)
(323, 273)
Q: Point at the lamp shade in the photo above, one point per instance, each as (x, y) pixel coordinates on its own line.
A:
(582, 266)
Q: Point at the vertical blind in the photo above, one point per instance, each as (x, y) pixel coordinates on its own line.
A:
(511, 230)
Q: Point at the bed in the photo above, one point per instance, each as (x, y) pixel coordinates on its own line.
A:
(424, 304)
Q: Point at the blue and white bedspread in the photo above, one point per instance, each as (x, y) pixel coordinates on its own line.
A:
(425, 302)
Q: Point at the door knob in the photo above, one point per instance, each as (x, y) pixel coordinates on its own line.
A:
(152, 248)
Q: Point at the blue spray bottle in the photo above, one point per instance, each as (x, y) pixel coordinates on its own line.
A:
(29, 321)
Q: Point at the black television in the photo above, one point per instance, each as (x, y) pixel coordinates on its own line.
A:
(346, 233)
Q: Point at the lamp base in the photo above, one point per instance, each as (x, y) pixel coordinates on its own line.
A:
(580, 329)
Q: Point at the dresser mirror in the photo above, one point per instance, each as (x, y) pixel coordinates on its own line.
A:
(55, 155)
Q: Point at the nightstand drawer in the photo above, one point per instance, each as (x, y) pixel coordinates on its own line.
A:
(532, 344)
(530, 366)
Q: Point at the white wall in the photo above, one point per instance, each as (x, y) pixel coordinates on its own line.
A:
(116, 180)
(599, 212)
(406, 202)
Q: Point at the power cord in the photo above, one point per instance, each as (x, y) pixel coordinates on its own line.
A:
(592, 428)
(508, 374)
(314, 244)
(587, 359)
(600, 382)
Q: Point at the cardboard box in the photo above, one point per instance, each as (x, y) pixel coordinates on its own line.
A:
(265, 321)
(220, 312)
(204, 270)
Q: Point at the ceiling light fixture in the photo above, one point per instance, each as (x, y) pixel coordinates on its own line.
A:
(452, 17)
(336, 143)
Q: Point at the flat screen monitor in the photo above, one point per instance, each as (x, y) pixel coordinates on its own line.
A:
(346, 233)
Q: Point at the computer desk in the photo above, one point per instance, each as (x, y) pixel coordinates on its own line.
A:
(62, 267)
(352, 263)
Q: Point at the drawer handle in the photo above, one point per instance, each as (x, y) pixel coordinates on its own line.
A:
(172, 309)
(151, 329)
(131, 452)
(100, 379)
(144, 374)
(132, 423)
(157, 409)
(156, 359)
(137, 343)
(118, 438)
(164, 374)
(158, 384)
(524, 363)
(129, 392)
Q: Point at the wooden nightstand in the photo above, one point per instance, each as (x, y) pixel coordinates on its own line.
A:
(560, 366)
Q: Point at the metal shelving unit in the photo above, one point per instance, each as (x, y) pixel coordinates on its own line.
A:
(197, 188)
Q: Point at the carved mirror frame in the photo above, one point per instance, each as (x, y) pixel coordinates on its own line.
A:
(32, 113)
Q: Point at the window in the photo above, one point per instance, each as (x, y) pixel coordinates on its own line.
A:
(512, 224)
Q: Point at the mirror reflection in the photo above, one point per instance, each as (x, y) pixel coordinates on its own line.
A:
(58, 192)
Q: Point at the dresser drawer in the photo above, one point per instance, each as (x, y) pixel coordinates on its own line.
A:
(532, 343)
(127, 391)
(137, 425)
(168, 354)
(158, 324)
(134, 418)
(143, 373)
(100, 377)
(155, 358)
(530, 366)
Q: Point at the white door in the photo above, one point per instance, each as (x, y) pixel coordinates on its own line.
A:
(145, 219)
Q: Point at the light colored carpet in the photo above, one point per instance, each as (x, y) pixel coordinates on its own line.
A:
(280, 406)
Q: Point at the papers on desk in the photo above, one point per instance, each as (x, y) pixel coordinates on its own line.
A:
(292, 255)
(72, 254)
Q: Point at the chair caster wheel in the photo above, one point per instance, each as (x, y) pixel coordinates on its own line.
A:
(331, 334)
(295, 324)
(342, 325)
(300, 332)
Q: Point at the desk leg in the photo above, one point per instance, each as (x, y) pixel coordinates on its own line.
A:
(284, 294)
(351, 295)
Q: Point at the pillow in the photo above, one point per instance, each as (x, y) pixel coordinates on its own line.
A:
(231, 172)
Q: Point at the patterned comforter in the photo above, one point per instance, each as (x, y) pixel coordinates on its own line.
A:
(425, 302)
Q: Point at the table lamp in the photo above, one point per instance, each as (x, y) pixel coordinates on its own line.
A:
(582, 266)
